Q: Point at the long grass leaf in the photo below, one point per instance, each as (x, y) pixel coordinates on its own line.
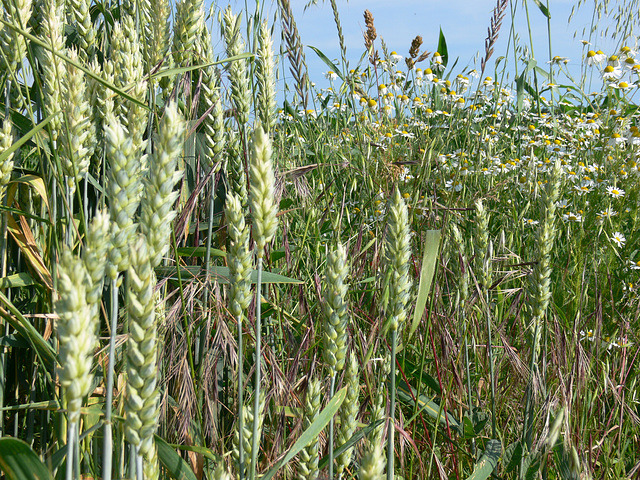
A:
(28, 332)
(310, 433)
(173, 463)
(431, 247)
(487, 463)
(19, 462)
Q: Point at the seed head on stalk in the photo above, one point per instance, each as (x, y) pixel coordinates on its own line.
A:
(398, 254)
(141, 405)
(335, 310)
(123, 191)
(76, 328)
(261, 194)
(157, 211)
(6, 167)
(239, 257)
(309, 455)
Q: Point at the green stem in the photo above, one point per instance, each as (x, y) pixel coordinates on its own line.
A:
(240, 401)
(108, 428)
(468, 373)
(3, 273)
(207, 266)
(71, 428)
(491, 367)
(331, 425)
(139, 470)
(528, 408)
(256, 392)
(392, 407)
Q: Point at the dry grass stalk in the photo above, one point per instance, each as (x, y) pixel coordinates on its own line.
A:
(295, 53)
(493, 30)
(369, 36)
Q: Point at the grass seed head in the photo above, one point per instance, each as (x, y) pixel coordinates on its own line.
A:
(142, 399)
(262, 198)
(76, 328)
(335, 307)
(239, 257)
(157, 210)
(398, 254)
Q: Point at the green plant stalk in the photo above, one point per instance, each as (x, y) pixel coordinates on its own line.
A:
(392, 407)
(71, 432)
(139, 463)
(331, 424)
(256, 388)
(492, 375)
(3, 326)
(240, 400)
(207, 267)
(107, 461)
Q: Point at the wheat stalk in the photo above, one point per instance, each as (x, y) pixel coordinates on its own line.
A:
(348, 414)
(188, 23)
(238, 74)
(53, 66)
(156, 206)
(265, 78)
(309, 456)
(142, 397)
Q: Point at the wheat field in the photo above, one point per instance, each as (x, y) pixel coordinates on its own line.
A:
(420, 271)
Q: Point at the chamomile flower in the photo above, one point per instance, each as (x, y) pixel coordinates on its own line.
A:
(618, 239)
(587, 335)
(572, 217)
(595, 57)
(611, 73)
(529, 222)
(395, 57)
(331, 75)
(607, 213)
(615, 192)
(558, 60)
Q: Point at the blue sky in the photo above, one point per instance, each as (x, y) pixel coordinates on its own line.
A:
(464, 23)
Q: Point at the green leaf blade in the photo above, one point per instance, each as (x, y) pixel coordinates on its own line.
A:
(19, 462)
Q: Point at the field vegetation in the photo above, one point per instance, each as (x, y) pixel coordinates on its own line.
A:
(422, 271)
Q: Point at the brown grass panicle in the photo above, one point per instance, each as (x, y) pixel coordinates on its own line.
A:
(369, 36)
(493, 30)
(294, 52)
(414, 53)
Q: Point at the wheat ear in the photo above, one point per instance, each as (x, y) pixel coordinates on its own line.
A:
(372, 464)
(240, 263)
(79, 141)
(265, 76)
(335, 333)
(238, 73)
(141, 405)
(76, 329)
(309, 456)
(189, 18)
(264, 210)
(6, 166)
(348, 414)
(397, 254)
(156, 207)
(53, 66)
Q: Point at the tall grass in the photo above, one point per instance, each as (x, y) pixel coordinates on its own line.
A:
(263, 260)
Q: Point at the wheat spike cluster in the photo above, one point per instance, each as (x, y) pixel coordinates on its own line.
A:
(213, 267)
